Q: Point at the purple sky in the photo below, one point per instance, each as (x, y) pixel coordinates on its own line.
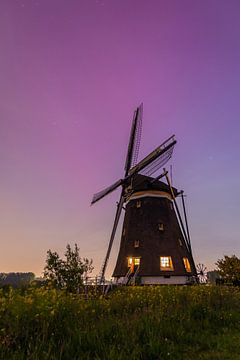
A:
(72, 72)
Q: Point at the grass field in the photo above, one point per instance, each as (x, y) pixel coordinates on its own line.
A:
(199, 322)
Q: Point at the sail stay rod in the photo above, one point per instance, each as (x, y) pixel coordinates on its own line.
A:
(178, 212)
(116, 220)
(185, 217)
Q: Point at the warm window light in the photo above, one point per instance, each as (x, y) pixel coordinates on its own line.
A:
(137, 261)
(133, 261)
(187, 264)
(166, 263)
(130, 261)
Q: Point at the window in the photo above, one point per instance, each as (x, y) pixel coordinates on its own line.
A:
(130, 264)
(124, 232)
(130, 261)
(166, 263)
(160, 227)
(133, 261)
(138, 204)
(136, 261)
(136, 243)
(187, 264)
(180, 242)
(171, 206)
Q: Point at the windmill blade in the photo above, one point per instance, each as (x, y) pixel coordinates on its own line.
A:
(134, 141)
(157, 163)
(151, 163)
(106, 191)
(137, 137)
(156, 158)
(115, 224)
(201, 273)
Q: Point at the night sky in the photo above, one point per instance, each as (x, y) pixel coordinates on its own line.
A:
(71, 74)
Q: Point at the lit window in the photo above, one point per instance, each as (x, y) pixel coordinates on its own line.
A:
(137, 261)
(160, 227)
(136, 243)
(124, 232)
(138, 204)
(180, 242)
(166, 263)
(130, 261)
(133, 262)
(187, 264)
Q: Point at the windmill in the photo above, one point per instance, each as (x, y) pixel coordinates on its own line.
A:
(155, 244)
(202, 273)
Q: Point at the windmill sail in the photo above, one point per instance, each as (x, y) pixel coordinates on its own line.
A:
(134, 141)
(158, 163)
(147, 166)
(106, 191)
(132, 154)
(137, 137)
(158, 154)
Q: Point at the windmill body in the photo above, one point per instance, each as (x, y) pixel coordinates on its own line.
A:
(155, 245)
(152, 244)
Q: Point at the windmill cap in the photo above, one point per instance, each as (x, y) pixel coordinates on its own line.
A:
(142, 182)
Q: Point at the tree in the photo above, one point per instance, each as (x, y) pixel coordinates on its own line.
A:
(69, 273)
(229, 269)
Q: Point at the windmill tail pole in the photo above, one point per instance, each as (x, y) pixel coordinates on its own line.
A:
(187, 228)
(178, 212)
(115, 224)
(185, 217)
(186, 237)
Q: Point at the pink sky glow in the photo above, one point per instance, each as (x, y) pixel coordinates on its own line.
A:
(72, 73)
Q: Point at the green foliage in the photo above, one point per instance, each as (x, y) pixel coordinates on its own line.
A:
(142, 323)
(67, 274)
(229, 269)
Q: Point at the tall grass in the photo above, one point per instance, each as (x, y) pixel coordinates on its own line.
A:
(131, 323)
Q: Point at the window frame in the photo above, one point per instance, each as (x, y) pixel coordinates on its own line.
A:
(137, 261)
(138, 204)
(133, 261)
(187, 265)
(130, 261)
(161, 226)
(136, 244)
(170, 267)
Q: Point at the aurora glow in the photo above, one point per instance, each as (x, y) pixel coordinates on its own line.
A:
(72, 72)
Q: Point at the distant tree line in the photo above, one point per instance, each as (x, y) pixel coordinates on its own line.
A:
(16, 279)
(67, 274)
